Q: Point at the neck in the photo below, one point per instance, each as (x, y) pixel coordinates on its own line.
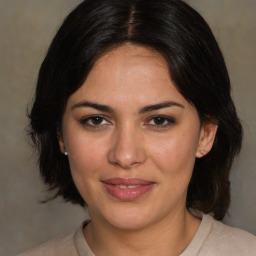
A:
(168, 237)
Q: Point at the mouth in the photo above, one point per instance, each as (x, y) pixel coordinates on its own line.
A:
(127, 189)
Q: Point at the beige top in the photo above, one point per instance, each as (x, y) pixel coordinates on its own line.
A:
(213, 238)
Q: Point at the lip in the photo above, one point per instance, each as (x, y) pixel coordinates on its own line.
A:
(127, 189)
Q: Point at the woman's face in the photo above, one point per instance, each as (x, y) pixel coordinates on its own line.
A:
(132, 139)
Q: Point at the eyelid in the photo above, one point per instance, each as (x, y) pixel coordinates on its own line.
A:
(84, 121)
(169, 119)
(161, 116)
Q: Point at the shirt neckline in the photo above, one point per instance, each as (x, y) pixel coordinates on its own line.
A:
(193, 248)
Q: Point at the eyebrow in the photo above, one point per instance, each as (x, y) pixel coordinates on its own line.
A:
(108, 109)
(159, 106)
(97, 106)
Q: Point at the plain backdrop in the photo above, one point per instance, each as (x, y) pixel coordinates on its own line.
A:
(26, 29)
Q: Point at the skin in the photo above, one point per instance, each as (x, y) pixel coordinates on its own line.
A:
(130, 143)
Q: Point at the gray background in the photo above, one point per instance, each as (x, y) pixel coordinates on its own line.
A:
(26, 29)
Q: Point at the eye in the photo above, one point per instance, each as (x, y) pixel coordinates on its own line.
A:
(160, 121)
(95, 121)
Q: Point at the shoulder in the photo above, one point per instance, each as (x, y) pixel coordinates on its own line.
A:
(63, 245)
(72, 243)
(226, 240)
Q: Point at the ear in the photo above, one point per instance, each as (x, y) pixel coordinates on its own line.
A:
(207, 135)
(61, 141)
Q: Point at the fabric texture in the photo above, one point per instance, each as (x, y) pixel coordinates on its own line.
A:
(213, 238)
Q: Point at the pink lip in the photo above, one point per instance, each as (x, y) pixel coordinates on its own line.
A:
(125, 193)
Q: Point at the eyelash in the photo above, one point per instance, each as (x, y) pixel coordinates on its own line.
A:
(167, 122)
(85, 122)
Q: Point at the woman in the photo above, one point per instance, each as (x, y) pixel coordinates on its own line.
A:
(133, 117)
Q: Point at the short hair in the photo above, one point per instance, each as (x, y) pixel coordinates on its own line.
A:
(196, 65)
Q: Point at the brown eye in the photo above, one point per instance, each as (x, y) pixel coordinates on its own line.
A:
(95, 121)
(161, 121)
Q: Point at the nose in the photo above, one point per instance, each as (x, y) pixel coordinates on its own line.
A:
(127, 149)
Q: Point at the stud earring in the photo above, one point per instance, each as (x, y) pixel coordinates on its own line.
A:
(65, 153)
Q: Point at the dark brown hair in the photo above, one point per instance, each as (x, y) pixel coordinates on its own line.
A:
(196, 65)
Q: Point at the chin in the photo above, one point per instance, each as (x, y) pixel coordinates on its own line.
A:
(128, 218)
(129, 224)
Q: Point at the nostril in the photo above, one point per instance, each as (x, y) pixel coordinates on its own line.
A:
(125, 165)
(126, 151)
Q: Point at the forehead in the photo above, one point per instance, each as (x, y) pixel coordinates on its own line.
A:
(129, 52)
(129, 72)
(128, 62)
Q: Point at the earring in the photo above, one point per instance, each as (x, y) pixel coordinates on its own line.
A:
(65, 153)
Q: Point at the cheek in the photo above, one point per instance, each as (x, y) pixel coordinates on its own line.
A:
(175, 155)
(86, 158)
(85, 155)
